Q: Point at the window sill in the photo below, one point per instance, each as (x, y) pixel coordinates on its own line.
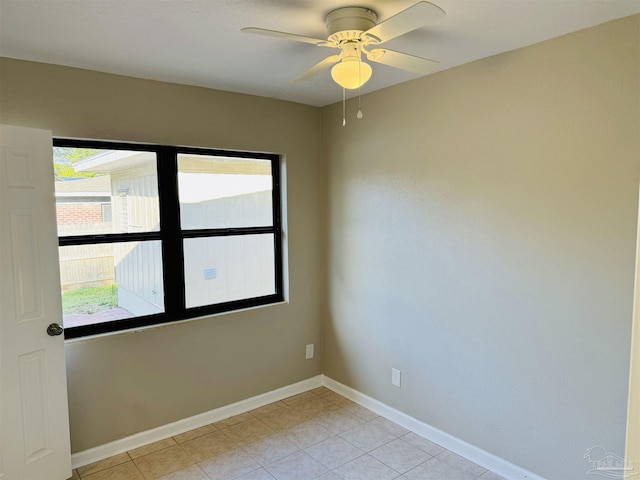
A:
(174, 323)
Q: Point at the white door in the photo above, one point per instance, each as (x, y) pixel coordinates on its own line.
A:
(34, 420)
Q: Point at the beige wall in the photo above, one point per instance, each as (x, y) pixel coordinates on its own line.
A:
(126, 383)
(481, 227)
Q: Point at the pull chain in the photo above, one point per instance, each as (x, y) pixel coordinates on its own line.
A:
(359, 115)
(344, 99)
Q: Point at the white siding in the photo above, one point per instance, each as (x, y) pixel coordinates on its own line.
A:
(138, 267)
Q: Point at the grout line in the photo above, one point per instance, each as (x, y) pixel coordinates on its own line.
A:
(139, 471)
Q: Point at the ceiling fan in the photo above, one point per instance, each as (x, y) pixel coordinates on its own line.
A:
(354, 31)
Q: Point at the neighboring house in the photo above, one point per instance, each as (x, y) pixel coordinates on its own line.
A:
(215, 192)
(83, 201)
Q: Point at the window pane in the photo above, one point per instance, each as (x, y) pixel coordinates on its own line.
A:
(224, 192)
(105, 191)
(110, 281)
(222, 269)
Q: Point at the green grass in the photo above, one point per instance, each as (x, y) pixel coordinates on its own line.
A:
(89, 300)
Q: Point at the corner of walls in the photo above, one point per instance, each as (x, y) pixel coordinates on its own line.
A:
(115, 389)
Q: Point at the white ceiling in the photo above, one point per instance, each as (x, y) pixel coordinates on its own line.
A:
(198, 42)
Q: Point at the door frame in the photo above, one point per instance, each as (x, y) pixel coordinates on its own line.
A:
(632, 450)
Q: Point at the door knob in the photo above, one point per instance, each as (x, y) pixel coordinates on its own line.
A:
(54, 330)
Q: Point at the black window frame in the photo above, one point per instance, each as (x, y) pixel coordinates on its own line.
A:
(172, 237)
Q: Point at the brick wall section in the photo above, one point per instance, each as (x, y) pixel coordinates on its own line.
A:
(78, 213)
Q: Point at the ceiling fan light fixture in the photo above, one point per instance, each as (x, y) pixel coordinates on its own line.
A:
(351, 73)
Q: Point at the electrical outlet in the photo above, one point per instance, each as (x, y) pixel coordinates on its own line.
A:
(309, 352)
(395, 377)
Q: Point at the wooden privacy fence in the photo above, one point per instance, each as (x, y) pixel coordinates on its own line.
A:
(86, 266)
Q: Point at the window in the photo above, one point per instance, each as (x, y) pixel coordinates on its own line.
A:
(151, 234)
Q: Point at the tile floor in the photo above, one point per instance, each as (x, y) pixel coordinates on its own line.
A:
(315, 435)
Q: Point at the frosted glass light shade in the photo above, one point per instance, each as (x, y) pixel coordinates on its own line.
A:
(351, 73)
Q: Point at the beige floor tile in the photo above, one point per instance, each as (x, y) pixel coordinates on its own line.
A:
(435, 469)
(260, 474)
(389, 426)
(490, 476)
(314, 406)
(423, 444)
(124, 471)
(400, 456)
(282, 418)
(195, 433)
(194, 472)
(247, 432)
(164, 461)
(333, 452)
(461, 463)
(103, 464)
(366, 468)
(267, 408)
(208, 446)
(330, 476)
(337, 399)
(368, 436)
(229, 465)
(152, 447)
(228, 422)
(269, 449)
(320, 390)
(306, 434)
(297, 466)
(338, 421)
(297, 398)
(364, 413)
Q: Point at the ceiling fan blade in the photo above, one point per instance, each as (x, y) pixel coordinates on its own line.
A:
(407, 20)
(404, 61)
(317, 68)
(288, 36)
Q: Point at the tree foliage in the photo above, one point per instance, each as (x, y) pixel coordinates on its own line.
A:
(65, 157)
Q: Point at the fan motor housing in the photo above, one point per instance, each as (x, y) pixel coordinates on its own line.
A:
(345, 24)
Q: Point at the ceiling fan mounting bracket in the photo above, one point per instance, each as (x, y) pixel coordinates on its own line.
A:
(346, 36)
(350, 22)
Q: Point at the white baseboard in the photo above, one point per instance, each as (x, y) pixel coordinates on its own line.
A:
(101, 452)
(484, 459)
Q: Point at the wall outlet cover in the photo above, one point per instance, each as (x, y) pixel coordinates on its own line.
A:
(395, 377)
